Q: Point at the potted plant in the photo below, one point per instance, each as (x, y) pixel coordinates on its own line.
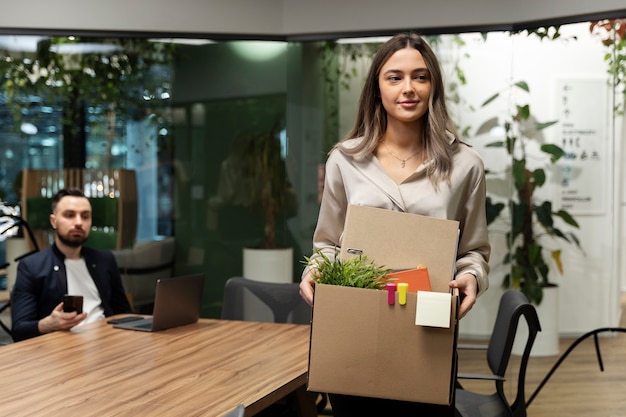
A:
(531, 220)
(263, 175)
(358, 272)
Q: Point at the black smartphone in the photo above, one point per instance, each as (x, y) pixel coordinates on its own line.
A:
(73, 303)
(124, 319)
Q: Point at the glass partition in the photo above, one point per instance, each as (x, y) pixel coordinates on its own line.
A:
(183, 115)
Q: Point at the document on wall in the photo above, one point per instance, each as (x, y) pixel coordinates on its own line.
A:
(584, 115)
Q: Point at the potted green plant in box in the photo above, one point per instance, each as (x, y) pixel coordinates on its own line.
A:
(358, 272)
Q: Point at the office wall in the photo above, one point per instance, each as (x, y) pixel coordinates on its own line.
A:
(285, 17)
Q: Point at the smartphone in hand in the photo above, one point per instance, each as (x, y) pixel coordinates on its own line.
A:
(73, 303)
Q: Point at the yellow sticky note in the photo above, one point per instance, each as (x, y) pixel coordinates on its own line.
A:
(433, 309)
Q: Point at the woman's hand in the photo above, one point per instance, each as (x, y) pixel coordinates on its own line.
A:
(468, 288)
(307, 287)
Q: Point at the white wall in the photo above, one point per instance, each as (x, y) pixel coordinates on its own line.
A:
(284, 17)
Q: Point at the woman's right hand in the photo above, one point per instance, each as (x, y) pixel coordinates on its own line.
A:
(307, 287)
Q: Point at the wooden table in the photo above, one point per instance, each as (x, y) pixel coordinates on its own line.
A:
(203, 369)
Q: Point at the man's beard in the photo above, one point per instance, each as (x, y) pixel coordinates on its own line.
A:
(74, 243)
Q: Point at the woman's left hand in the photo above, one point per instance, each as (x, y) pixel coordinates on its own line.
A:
(468, 288)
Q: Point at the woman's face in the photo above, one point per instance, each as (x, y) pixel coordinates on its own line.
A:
(404, 83)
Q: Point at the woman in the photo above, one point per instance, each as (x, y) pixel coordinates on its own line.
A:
(403, 154)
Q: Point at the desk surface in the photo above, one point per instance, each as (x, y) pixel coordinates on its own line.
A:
(203, 369)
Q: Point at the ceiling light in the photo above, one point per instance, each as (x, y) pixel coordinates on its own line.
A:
(84, 48)
(184, 41)
(371, 39)
(29, 128)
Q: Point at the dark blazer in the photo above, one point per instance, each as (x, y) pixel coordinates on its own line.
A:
(42, 281)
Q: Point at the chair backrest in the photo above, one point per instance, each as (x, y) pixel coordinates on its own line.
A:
(140, 268)
(513, 306)
(283, 299)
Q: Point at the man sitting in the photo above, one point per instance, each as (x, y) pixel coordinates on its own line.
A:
(66, 267)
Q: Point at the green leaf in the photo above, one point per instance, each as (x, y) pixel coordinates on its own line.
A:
(519, 173)
(541, 126)
(493, 210)
(567, 218)
(490, 99)
(538, 177)
(487, 126)
(534, 251)
(523, 112)
(518, 214)
(555, 151)
(544, 214)
(497, 144)
(574, 239)
(523, 85)
(510, 143)
(559, 234)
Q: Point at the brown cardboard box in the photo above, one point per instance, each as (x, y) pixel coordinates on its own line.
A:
(361, 345)
(399, 240)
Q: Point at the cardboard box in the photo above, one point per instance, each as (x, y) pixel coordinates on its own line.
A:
(400, 241)
(361, 345)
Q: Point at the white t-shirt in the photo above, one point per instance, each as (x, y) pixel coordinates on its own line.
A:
(79, 282)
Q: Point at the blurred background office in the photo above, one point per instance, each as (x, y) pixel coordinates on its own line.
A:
(219, 116)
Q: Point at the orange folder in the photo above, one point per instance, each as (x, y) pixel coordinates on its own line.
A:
(416, 278)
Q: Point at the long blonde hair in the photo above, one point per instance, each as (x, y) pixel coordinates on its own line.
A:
(371, 120)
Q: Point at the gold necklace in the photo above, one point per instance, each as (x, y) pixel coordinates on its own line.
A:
(402, 161)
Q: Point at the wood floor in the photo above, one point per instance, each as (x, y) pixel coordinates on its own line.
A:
(577, 388)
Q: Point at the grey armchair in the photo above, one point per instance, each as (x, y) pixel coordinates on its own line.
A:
(141, 266)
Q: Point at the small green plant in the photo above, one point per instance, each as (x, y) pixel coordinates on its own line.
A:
(357, 272)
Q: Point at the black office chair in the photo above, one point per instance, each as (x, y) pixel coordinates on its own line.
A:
(238, 411)
(284, 301)
(513, 306)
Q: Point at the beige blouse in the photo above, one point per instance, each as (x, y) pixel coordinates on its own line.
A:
(349, 181)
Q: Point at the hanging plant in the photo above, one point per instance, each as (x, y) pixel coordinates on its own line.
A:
(612, 34)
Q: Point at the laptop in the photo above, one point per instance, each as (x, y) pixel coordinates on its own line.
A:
(176, 303)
